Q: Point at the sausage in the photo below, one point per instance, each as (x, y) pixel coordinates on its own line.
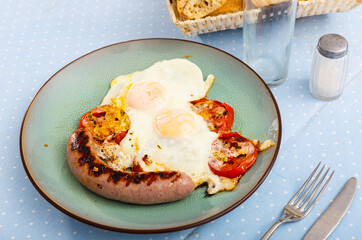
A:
(131, 187)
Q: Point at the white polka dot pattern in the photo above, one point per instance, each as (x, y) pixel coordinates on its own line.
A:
(39, 37)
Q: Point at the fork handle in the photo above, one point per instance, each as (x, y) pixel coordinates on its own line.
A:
(271, 230)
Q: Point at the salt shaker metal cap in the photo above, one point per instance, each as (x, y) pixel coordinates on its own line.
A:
(329, 67)
(332, 46)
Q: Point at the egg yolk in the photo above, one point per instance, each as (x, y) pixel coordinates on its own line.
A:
(147, 95)
(174, 123)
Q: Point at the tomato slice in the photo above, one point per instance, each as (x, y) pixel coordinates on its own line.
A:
(106, 123)
(233, 155)
(218, 116)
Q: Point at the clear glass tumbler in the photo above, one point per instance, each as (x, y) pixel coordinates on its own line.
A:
(268, 28)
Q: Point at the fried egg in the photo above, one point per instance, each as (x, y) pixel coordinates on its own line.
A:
(165, 134)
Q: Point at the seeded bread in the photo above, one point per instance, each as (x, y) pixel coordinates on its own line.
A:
(194, 9)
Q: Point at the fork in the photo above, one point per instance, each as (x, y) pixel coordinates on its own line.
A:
(295, 211)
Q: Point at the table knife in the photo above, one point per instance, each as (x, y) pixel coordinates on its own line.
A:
(331, 217)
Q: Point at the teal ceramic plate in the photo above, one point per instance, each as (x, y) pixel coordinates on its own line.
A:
(80, 86)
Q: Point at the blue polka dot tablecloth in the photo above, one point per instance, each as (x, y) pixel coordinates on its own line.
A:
(37, 38)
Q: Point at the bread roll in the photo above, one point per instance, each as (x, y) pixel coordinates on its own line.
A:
(230, 6)
(264, 3)
(194, 9)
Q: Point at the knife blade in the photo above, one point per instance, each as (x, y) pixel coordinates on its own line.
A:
(331, 217)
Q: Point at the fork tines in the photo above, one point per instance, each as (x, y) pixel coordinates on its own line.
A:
(299, 204)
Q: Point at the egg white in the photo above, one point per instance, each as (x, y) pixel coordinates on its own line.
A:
(190, 153)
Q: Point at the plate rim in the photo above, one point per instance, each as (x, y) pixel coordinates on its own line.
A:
(70, 213)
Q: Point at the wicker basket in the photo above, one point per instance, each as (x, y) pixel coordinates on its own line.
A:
(235, 20)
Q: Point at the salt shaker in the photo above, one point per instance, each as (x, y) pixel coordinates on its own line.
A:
(329, 67)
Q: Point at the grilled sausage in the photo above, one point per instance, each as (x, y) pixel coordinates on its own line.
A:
(131, 187)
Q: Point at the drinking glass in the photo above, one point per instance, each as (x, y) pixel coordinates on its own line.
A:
(268, 27)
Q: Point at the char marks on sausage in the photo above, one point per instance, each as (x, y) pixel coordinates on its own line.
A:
(81, 140)
(132, 187)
